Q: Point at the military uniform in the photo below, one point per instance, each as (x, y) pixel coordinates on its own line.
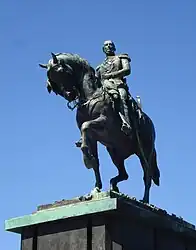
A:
(110, 65)
(116, 84)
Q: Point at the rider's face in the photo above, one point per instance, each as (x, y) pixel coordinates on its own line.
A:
(109, 48)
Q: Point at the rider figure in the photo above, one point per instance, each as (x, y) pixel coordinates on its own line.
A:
(111, 73)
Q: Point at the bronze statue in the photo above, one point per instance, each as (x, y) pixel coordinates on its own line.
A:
(112, 74)
(98, 119)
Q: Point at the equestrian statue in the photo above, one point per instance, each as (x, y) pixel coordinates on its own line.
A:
(106, 113)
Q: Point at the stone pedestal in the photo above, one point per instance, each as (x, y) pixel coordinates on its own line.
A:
(109, 221)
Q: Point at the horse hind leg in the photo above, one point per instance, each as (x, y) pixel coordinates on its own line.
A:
(146, 165)
(122, 174)
(151, 172)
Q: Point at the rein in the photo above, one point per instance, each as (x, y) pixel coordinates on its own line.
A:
(77, 102)
(97, 95)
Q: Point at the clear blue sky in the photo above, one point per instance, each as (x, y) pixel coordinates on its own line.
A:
(39, 162)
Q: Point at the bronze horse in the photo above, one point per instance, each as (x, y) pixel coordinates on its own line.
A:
(98, 119)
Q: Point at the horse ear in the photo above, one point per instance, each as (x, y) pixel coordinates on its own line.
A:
(55, 60)
(45, 66)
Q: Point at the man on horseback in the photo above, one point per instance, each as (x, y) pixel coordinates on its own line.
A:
(111, 73)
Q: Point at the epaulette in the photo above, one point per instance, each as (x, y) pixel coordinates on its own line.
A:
(125, 56)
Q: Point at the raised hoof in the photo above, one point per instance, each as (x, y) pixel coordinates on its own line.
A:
(78, 143)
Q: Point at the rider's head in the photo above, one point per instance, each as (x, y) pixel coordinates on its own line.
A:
(109, 48)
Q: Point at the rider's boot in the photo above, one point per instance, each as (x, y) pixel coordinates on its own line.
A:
(126, 128)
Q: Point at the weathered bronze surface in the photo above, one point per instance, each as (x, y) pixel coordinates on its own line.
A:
(106, 113)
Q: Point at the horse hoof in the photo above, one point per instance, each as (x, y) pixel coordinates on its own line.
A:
(86, 197)
(78, 144)
(144, 201)
(95, 190)
(114, 189)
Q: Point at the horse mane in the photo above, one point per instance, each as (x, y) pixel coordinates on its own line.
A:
(77, 59)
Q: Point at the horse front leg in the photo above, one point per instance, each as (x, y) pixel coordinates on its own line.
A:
(89, 146)
(88, 129)
(147, 178)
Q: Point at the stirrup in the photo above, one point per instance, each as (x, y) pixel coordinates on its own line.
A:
(126, 128)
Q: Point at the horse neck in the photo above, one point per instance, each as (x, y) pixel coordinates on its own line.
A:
(88, 86)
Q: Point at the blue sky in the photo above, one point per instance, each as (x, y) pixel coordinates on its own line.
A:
(39, 162)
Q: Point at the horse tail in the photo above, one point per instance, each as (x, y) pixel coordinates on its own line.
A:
(154, 168)
(150, 158)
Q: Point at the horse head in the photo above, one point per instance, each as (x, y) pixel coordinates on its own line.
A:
(61, 77)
